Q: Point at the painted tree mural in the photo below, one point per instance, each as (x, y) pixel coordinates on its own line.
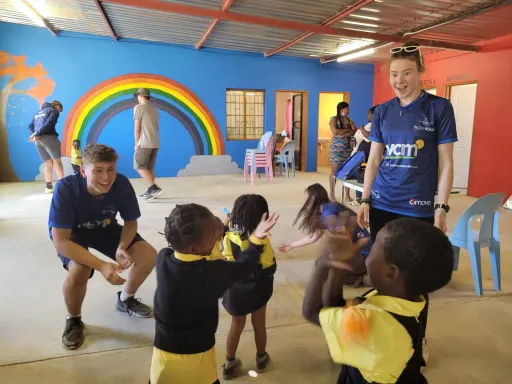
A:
(17, 71)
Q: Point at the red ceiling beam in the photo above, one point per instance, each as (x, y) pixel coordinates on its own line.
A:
(225, 7)
(107, 21)
(347, 11)
(279, 23)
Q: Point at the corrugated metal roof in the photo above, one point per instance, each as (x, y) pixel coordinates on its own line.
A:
(489, 25)
(389, 17)
(247, 37)
(142, 24)
(10, 13)
(72, 15)
(306, 11)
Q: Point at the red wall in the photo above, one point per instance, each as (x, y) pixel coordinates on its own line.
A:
(491, 151)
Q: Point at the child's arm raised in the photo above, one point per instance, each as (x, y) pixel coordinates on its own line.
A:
(307, 240)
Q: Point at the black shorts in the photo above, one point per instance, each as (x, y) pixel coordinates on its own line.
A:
(104, 240)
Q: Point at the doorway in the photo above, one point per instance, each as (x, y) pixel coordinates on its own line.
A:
(432, 91)
(463, 99)
(327, 102)
(292, 117)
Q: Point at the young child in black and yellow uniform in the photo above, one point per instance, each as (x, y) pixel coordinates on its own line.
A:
(189, 285)
(248, 296)
(378, 337)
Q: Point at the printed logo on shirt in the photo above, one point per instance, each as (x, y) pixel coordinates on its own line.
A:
(413, 201)
(424, 125)
(95, 224)
(109, 210)
(404, 151)
(376, 194)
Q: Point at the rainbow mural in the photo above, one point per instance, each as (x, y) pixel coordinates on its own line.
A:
(198, 120)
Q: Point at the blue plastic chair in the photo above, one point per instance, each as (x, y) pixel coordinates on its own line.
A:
(286, 157)
(487, 236)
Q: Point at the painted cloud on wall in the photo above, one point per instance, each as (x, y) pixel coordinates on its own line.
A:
(210, 165)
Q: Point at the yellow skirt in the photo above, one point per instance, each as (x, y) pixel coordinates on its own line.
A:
(199, 368)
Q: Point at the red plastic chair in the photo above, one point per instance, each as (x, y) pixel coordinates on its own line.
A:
(254, 159)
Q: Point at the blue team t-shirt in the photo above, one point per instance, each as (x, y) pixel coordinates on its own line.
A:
(73, 207)
(406, 182)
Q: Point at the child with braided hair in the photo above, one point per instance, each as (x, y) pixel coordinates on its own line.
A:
(189, 284)
(248, 296)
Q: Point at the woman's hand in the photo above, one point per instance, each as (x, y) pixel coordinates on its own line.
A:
(363, 215)
(440, 220)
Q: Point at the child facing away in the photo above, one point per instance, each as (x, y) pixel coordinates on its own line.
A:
(378, 337)
(251, 295)
(314, 217)
(76, 156)
(189, 285)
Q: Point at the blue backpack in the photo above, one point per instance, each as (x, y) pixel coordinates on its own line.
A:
(349, 169)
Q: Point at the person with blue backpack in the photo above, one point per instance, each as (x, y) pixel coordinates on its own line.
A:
(411, 155)
(320, 218)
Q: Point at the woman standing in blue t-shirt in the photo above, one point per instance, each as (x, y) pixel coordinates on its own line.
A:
(342, 128)
(411, 155)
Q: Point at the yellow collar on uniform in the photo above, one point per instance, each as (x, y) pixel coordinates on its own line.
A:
(187, 257)
(395, 305)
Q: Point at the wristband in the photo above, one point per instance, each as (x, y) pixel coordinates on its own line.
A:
(366, 200)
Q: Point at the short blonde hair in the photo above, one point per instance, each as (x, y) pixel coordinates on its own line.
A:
(96, 153)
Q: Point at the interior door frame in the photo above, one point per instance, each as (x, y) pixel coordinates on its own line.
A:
(304, 134)
(447, 94)
(346, 98)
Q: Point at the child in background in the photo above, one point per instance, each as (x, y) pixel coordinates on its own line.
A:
(189, 285)
(314, 217)
(378, 338)
(76, 156)
(248, 296)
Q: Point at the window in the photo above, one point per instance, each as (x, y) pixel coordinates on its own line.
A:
(244, 114)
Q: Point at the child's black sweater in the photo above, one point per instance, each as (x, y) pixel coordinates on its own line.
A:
(186, 299)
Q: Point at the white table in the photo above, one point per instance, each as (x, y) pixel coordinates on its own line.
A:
(353, 184)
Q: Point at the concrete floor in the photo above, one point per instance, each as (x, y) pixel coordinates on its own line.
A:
(467, 336)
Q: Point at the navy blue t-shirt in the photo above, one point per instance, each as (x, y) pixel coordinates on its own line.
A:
(406, 182)
(73, 207)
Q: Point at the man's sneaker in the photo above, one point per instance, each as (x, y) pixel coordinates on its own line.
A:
(145, 195)
(154, 193)
(132, 306)
(73, 335)
(230, 368)
(262, 362)
(48, 190)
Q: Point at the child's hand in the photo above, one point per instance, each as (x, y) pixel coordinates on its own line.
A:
(265, 225)
(284, 248)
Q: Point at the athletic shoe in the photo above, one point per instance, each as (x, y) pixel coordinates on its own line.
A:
(73, 335)
(132, 306)
(230, 368)
(145, 195)
(262, 362)
(48, 190)
(154, 193)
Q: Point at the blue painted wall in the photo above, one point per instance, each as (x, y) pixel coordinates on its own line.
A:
(78, 62)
